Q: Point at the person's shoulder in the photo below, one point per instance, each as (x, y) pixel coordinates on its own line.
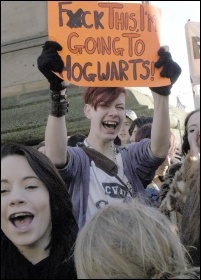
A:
(136, 145)
(76, 150)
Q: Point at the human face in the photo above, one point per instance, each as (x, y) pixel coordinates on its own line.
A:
(25, 206)
(193, 128)
(107, 119)
(123, 134)
(132, 137)
(163, 167)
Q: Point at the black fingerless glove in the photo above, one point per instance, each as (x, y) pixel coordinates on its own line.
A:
(170, 70)
(49, 61)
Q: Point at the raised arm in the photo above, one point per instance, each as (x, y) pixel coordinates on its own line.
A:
(56, 131)
(160, 134)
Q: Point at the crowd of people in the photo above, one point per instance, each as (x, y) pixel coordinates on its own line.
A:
(107, 205)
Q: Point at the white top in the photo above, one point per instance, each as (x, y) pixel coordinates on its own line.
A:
(105, 189)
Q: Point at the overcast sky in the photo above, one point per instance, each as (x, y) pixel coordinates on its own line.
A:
(175, 15)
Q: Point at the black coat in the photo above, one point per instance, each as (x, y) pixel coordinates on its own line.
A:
(15, 266)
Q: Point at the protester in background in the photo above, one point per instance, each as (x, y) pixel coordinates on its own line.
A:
(123, 137)
(38, 229)
(180, 194)
(99, 173)
(131, 241)
(75, 139)
(136, 124)
(143, 132)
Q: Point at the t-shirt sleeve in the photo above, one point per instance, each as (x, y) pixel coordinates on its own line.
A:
(143, 162)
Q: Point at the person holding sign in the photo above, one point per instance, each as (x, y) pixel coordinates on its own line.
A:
(99, 173)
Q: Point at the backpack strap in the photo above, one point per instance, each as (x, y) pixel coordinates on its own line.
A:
(105, 164)
(101, 161)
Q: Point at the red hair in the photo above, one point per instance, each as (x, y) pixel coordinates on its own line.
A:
(102, 95)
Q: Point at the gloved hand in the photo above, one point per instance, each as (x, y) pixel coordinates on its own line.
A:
(49, 61)
(170, 70)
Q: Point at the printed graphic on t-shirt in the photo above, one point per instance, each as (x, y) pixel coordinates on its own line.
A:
(105, 189)
(115, 190)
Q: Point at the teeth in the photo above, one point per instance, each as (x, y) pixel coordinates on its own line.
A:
(19, 215)
(112, 123)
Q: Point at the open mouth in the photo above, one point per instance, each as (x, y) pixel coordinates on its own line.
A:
(110, 124)
(21, 220)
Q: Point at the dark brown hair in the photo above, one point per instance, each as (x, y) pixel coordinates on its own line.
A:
(64, 227)
(140, 121)
(143, 132)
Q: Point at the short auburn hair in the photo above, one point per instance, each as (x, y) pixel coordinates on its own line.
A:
(102, 95)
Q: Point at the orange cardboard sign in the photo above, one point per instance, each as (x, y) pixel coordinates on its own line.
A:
(107, 44)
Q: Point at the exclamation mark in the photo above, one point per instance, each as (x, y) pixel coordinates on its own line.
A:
(126, 21)
(152, 70)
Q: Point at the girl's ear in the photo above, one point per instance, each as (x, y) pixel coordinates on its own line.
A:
(87, 111)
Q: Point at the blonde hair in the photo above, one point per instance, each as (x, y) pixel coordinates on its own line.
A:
(129, 241)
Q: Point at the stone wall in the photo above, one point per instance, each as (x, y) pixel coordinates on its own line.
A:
(23, 32)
